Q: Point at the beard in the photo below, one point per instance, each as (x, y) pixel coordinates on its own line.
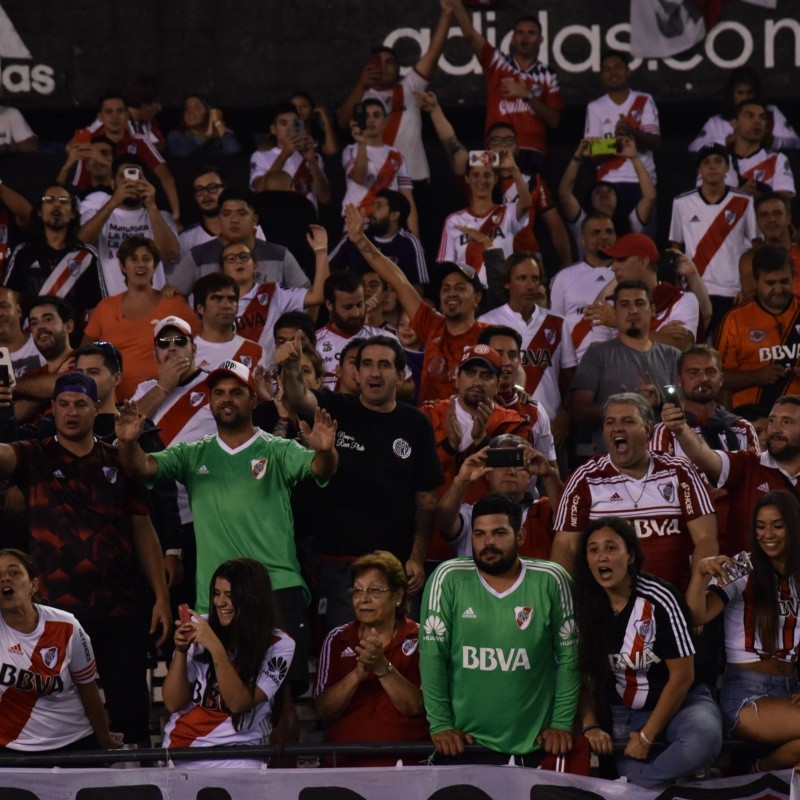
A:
(498, 567)
(634, 331)
(348, 325)
(380, 227)
(783, 451)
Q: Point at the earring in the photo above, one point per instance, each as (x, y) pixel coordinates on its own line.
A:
(397, 603)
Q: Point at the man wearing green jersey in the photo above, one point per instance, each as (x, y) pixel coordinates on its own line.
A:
(498, 646)
(239, 483)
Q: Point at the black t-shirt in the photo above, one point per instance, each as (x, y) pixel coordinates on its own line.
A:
(369, 504)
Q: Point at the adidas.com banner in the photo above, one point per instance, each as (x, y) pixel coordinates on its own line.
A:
(409, 783)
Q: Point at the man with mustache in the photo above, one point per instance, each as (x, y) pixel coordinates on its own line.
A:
(746, 474)
(499, 631)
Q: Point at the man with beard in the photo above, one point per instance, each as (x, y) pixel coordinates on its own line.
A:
(759, 340)
(663, 497)
(388, 231)
(51, 321)
(631, 361)
(207, 186)
(346, 304)
(238, 222)
(497, 632)
(746, 474)
(445, 334)
(466, 421)
(238, 484)
(53, 261)
(387, 460)
(130, 211)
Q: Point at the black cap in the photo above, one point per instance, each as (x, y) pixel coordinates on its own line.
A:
(715, 149)
(76, 382)
(445, 268)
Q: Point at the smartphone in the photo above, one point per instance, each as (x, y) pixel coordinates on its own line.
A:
(183, 613)
(297, 128)
(505, 457)
(671, 395)
(742, 565)
(131, 173)
(670, 261)
(360, 116)
(484, 158)
(6, 368)
(603, 147)
(83, 136)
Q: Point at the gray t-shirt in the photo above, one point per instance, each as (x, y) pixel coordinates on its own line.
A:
(274, 264)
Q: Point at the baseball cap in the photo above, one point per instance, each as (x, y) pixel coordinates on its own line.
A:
(632, 244)
(173, 322)
(445, 268)
(76, 382)
(232, 369)
(483, 353)
(715, 149)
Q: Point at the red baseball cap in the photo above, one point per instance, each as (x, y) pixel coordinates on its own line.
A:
(632, 244)
(483, 353)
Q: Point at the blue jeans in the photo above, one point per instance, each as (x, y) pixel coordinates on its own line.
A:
(694, 735)
(742, 688)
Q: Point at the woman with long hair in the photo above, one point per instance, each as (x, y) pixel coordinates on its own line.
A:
(228, 665)
(637, 658)
(45, 647)
(202, 131)
(760, 695)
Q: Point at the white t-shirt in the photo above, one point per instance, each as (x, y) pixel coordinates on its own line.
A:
(376, 158)
(13, 127)
(764, 167)
(295, 165)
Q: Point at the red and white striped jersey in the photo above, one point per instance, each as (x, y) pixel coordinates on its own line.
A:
(652, 628)
(207, 722)
(664, 441)
(331, 342)
(40, 708)
(743, 643)
(659, 506)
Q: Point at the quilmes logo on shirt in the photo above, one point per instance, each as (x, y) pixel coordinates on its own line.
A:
(21, 77)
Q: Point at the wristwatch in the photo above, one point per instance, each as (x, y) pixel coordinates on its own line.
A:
(389, 670)
(176, 551)
(536, 91)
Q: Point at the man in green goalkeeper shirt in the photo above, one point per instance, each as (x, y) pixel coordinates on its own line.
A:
(498, 646)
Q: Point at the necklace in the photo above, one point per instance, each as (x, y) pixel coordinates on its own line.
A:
(617, 612)
(644, 486)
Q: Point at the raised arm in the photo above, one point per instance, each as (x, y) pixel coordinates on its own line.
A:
(128, 427)
(295, 395)
(386, 268)
(693, 446)
(476, 40)
(318, 242)
(427, 62)
(456, 152)
(566, 187)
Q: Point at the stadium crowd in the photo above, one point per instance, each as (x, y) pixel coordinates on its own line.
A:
(552, 468)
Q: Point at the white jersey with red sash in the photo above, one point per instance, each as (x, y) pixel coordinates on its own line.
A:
(500, 224)
(673, 305)
(259, 310)
(40, 708)
(67, 272)
(546, 350)
(206, 721)
(295, 165)
(602, 116)
(212, 354)
(715, 235)
(571, 290)
(386, 169)
(183, 416)
(763, 166)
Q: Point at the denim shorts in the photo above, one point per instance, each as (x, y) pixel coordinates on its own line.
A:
(743, 687)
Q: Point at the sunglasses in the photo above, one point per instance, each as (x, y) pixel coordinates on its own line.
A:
(163, 342)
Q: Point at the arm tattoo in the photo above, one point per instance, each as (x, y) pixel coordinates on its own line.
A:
(452, 146)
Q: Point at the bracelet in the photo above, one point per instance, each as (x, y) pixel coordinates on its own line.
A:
(644, 740)
(588, 728)
(579, 159)
(320, 249)
(159, 386)
(181, 649)
(389, 670)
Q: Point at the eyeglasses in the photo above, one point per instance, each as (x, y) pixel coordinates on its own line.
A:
(208, 187)
(500, 141)
(62, 201)
(373, 592)
(112, 351)
(163, 342)
(234, 257)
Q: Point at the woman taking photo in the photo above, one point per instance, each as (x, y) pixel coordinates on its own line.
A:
(228, 666)
(127, 319)
(50, 650)
(760, 691)
(637, 657)
(368, 676)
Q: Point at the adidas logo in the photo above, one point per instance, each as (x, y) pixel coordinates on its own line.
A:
(16, 650)
(695, 218)
(59, 474)
(615, 498)
(763, 487)
(39, 78)
(203, 470)
(348, 652)
(469, 614)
